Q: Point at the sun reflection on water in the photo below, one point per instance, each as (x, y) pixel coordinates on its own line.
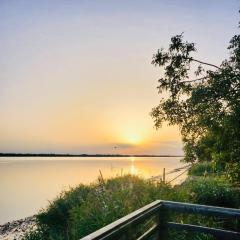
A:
(133, 169)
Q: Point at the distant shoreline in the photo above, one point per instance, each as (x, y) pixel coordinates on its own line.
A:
(79, 155)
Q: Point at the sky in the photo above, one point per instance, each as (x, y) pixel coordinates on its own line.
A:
(76, 76)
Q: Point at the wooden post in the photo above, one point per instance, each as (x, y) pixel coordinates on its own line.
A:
(163, 175)
(162, 223)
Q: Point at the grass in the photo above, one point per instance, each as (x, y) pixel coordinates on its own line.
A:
(205, 169)
(201, 169)
(214, 191)
(86, 208)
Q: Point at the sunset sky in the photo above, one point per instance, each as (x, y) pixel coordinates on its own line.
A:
(76, 76)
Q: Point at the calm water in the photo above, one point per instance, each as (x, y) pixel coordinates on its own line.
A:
(28, 183)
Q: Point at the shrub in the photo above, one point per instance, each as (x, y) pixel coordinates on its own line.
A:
(56, 217)
(233, 172)
(213, 191)
(37, 234)
(199, 169)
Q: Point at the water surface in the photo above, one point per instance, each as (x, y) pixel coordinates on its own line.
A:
(28, 183)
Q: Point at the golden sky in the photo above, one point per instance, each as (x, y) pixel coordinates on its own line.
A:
(75, 76)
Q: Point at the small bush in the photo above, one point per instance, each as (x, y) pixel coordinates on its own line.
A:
(213, 191)
(199, 169)
(37, 234)
(206, 168)
(233, 172)
(56, 217)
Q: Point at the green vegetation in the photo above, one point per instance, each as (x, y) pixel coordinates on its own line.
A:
(206, 169)
(202, 169)
(82, 210)
(211, 191)
(86, 208)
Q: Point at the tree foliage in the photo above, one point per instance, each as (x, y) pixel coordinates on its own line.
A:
(203, 99)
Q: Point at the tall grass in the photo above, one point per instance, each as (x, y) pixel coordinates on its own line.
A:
(86, 208)
(206, 169)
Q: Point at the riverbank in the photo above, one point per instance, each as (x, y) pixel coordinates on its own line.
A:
(15, 230)
(86, 208)
(29, 183)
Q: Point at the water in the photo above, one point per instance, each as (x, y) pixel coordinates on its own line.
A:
(27, 184)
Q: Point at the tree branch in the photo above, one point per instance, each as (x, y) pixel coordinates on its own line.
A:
(209, 64)
(194, 80)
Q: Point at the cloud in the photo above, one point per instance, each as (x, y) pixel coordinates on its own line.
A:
(124, 145)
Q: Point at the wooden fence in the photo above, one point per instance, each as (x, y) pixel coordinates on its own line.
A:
(153, 221)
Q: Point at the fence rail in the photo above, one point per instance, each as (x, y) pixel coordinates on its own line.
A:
(156, 212)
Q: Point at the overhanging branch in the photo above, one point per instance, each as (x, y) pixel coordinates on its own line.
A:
(195, 80)
(204, 63)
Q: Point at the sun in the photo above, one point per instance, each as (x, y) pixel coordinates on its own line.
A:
(131, 135)
(134, 139)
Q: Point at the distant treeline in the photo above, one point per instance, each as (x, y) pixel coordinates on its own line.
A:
(77, 155)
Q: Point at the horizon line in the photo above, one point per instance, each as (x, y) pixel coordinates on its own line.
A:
(83, 155)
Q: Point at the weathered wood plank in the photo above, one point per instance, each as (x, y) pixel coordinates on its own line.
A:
(153, 230)
(163, 218)
(224, 234)
(201, 209)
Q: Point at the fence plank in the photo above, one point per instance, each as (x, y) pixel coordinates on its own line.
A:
(153, 230)
(224, 234)
(201, 209)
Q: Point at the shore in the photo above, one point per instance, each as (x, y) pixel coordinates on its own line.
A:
(15, 230)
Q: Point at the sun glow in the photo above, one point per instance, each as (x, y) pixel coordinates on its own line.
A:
(134, 139)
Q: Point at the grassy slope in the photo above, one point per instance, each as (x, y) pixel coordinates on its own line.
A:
(86, 208)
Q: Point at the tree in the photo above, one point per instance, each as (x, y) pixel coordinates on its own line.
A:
(206, 107)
